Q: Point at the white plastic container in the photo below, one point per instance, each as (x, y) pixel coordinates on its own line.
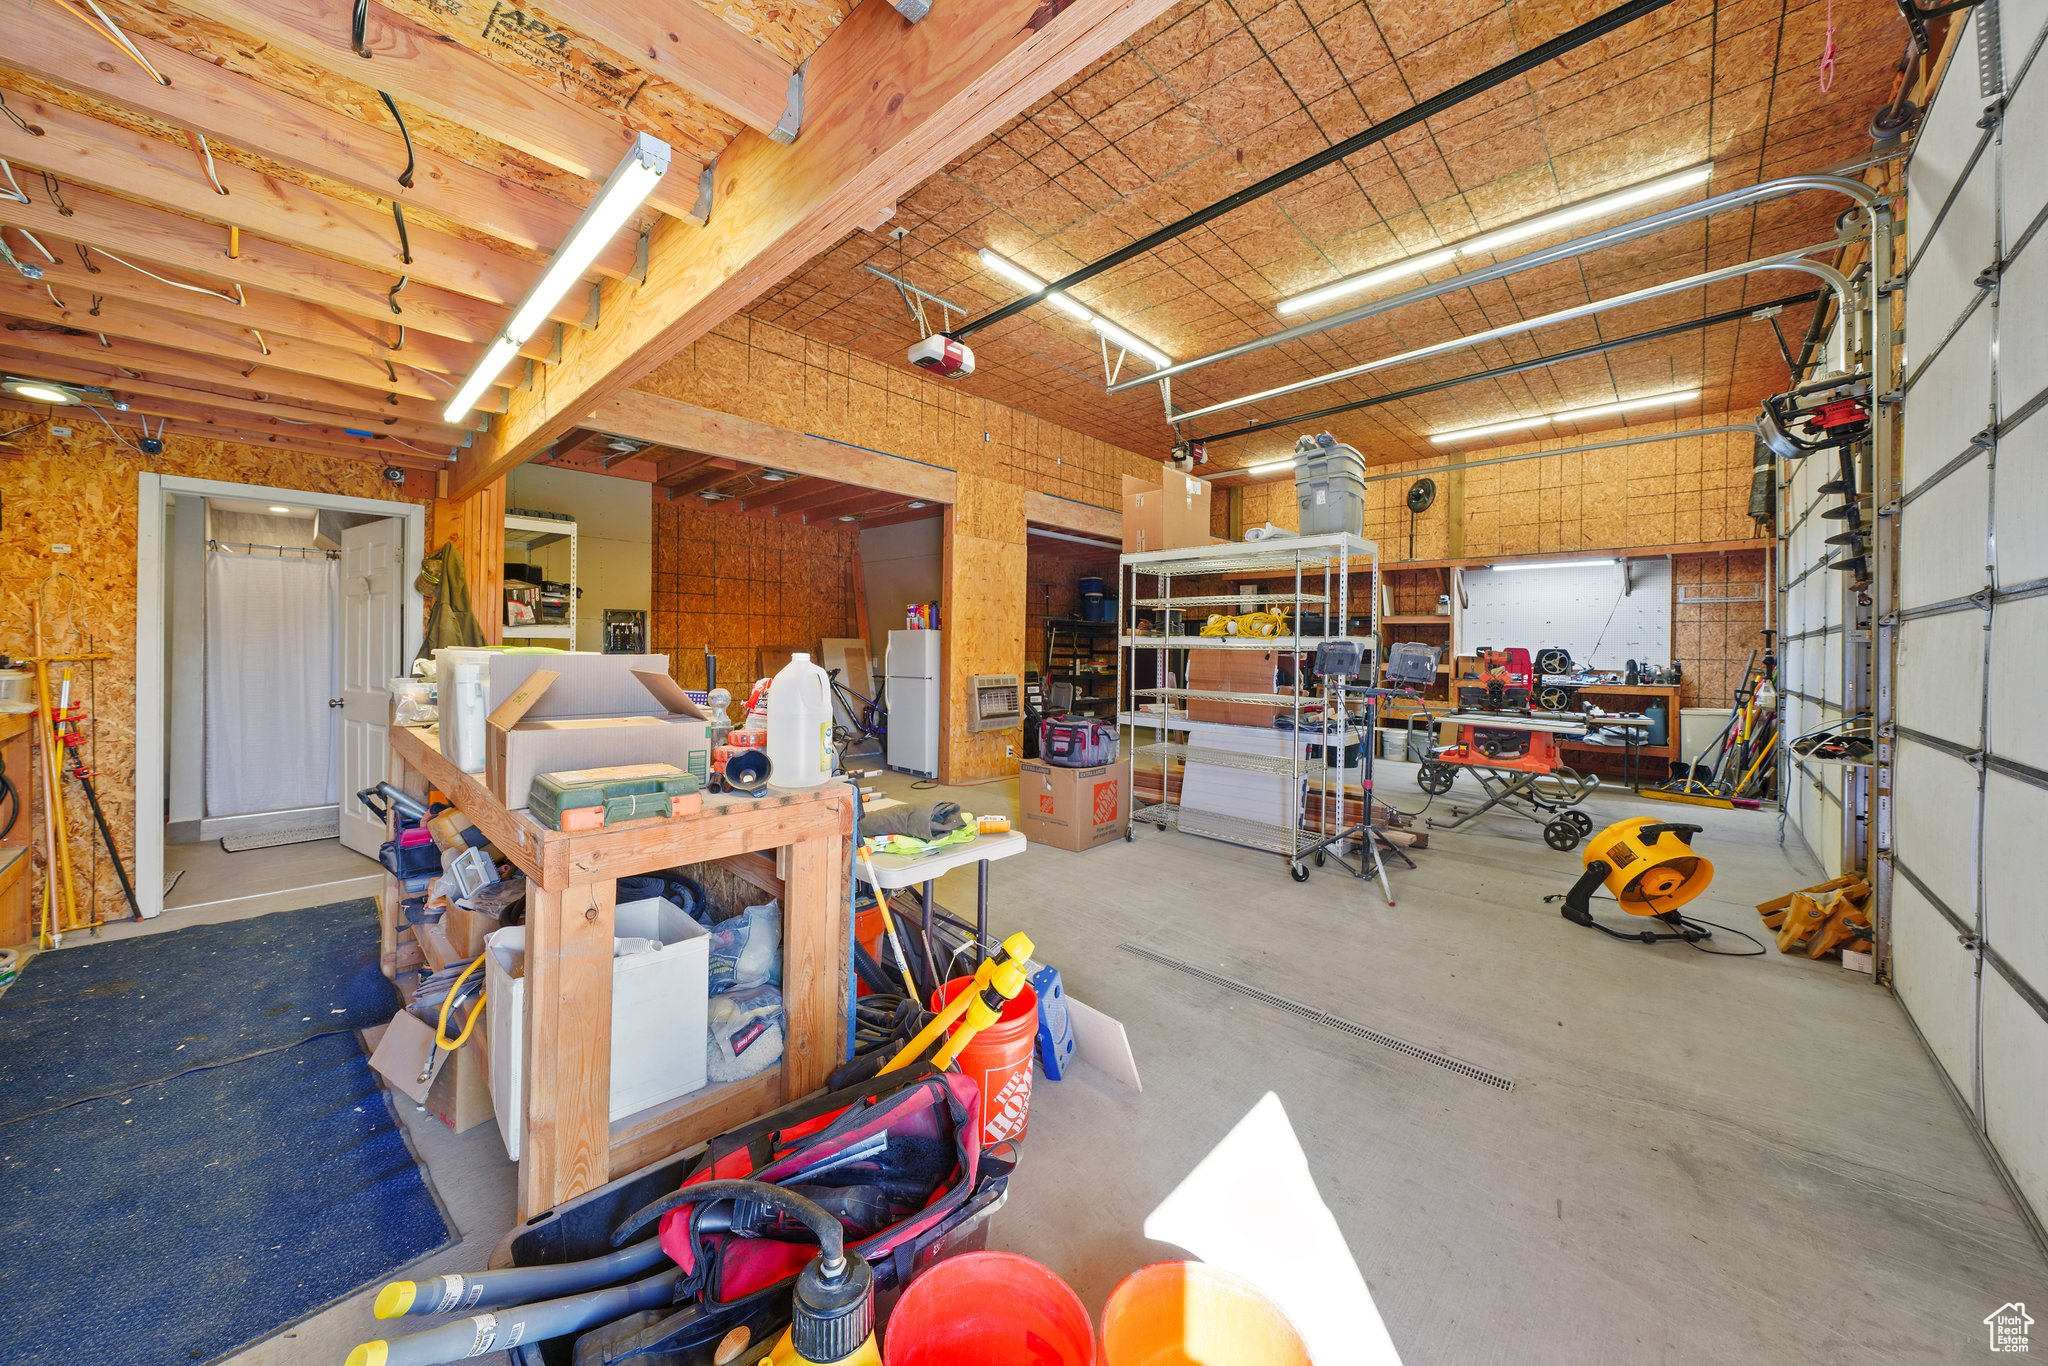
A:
(659, 999)
(462, 683)
(800, 725)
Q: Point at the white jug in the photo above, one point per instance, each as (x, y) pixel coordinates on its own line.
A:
(800, 750)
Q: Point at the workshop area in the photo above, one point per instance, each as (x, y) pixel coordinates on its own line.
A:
(1108, 683)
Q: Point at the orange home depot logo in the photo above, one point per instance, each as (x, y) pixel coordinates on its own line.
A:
(1106, 803)
(1045, 803)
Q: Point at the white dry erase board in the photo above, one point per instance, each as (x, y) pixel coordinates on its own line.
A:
(1582, 609)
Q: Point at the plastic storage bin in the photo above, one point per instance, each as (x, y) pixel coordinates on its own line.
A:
(658, 1007)
(1329, 486)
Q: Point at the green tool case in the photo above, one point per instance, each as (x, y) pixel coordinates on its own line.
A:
(584, 799)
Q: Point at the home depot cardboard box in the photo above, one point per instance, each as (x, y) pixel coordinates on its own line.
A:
(1074, 808)
(1167, 513)
(521, 745)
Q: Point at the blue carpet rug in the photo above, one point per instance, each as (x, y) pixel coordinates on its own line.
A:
(99, 1020)
(192, 1216)
(194, 1152)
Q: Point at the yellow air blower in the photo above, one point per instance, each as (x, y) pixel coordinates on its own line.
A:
(1652, 869)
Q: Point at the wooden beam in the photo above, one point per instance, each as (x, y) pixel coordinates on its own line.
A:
(724, 469)
(677, 464)
(1068, 514)
(808, 494)
(117, 318)
(924, 513)
(128, 427)
(272, 313)
(110, 157)
(205, 369)
(692, 47)
(710, 477)
(297, 133)
(159, 238)
(851, 500)
(670, 422)
(420, 67)
(248, 413)
(887, 106)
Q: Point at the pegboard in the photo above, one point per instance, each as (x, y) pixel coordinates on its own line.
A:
(1576, 608)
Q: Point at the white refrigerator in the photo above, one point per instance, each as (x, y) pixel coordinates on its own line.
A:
(911, 691)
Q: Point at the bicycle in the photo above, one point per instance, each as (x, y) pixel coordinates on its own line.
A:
(870, 715)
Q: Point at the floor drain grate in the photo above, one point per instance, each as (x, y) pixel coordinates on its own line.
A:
(1324, 1018)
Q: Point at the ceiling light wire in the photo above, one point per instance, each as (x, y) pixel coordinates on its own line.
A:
(13, 192)
(111, 31)
(111, 427)
(37, 243)
(33, 130)
(237, 298)
(404, 176)
(55, 189)
(204, 151)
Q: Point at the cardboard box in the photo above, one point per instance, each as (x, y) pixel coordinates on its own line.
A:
(660, 1001)
(455, 1091)
(1167, 514)
(586, 684)
(522, 745)
(1074, 808)
(1232, 671)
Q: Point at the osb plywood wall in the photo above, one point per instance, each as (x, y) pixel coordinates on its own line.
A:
(82, 491)
(737, 583)
(1713, 640)
(1053, 568)
(1682, 491)
(769, 374)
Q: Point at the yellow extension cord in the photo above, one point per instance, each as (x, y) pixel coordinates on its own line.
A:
(441, 1039)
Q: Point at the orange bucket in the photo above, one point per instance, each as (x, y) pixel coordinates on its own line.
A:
(999, 1058)
(989, 1309)
(1194, 1314)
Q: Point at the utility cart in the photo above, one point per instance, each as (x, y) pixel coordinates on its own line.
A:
(1239, 739)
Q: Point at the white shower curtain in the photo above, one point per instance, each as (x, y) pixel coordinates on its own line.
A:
(272, 742)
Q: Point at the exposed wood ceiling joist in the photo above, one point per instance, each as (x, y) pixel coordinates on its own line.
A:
(273, 313)
(233, 345)
(211, 370)
(419, 66)
(847, 501)
(166, 239)
(245, 408)
(714, 473)
(888, 104)
(308, 137)
(694, 49)
(138, 167)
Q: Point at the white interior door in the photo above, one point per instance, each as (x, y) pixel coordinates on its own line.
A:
(371, 624)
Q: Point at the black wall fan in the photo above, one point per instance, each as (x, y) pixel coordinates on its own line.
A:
(1421, 497)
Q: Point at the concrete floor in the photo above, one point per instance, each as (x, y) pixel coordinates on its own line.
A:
(1703, 1159)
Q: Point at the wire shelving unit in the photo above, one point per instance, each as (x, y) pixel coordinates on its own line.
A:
(1318, 817)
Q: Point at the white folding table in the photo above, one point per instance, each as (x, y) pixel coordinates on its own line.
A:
(893, 872)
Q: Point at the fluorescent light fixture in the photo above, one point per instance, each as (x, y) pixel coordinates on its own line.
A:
(278, 507)
(1557, 564)
(36, 391)
(1627, 405)
(622, 193)
(1271, 466)
(1596, 207)
(1116, 336)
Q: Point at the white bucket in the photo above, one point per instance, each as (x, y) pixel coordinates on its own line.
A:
(800, 725)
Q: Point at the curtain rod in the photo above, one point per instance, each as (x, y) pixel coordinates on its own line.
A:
(280, 549)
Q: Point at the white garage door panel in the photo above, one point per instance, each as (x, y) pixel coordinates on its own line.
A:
(1935, 531)
(2026, 123)
(2016, 1086)
(2022, 329)
(1950, 402)
(1934, 804)
(1931, 972)
(2015, 814)
(1961, 249)
(1947, 133)
(2019, 648)
(1941, 674)
(2023, 494)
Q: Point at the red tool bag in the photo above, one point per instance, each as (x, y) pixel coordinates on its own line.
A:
(1076, 742)
(895, 1158)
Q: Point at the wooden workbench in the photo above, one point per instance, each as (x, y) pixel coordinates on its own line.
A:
(570, 1144)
